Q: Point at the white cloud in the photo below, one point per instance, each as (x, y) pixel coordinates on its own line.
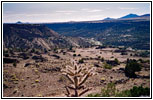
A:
(97, 16)
(66, 11)
(91, 10)
(85, 9)
(95, 10)
(24, 14)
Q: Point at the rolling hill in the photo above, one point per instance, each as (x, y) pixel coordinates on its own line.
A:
(129, 32)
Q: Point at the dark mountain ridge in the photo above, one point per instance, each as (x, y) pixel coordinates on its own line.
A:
(129, 16)
(108, 18)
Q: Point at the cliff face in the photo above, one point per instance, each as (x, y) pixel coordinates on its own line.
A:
(37, 36)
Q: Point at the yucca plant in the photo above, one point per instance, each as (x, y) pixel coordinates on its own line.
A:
(77, 75)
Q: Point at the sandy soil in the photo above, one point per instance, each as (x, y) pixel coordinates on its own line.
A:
(44, 79)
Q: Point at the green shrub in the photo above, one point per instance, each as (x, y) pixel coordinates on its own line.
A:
(11, 52)
(107, 66)
(94, 95)
(14, 64)
(5, 51)
(99, 57)
(110, 90)
(74, 55)
(70, 48)
(64, 53)
(124, 53)
(79, 54)
(117, 61)
(6, 55)
(139, 91)
(144, 54)
(33, 50)
(62, 79)
(125, 93)
(102, 59)
(81, 61)
(131, 67)
(144, 61)
(134, 92)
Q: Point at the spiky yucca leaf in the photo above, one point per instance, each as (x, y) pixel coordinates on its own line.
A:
(77, 75)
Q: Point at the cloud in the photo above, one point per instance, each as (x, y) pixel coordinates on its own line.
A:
(91, 10)
(66, 11)
(96, 10)
(96, 16)
(127, 8)
(85, 9)
(24, 14)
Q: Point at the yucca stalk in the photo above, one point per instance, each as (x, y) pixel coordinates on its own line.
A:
(77, 75)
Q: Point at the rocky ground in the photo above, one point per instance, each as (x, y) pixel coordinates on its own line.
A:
(40, 74)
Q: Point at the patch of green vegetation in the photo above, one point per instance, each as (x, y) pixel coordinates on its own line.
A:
(33, 50)
(62, 79)
(144, 61)
(144, 54)
(134, 92)
(94, 95)
(102, 59)
(111, 91)
(14, 64)
(99, 57)
(117, 61)
(71, 48)
(125, 93)
(81, 61)
(139, 91)
(131, 67)
(79, 54)
(6, 54)
(124, 53)
(74, 55)
(107, 66)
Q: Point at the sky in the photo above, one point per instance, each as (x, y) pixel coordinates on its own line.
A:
(63, 12)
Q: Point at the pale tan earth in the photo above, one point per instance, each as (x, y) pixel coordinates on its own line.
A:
(41, 79)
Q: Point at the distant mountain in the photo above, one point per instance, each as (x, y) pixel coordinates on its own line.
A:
(129, 16)
(145, 15)
(18, 22)
(108, 18)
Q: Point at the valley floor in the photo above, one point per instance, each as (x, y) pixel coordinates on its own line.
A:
(34, 78)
